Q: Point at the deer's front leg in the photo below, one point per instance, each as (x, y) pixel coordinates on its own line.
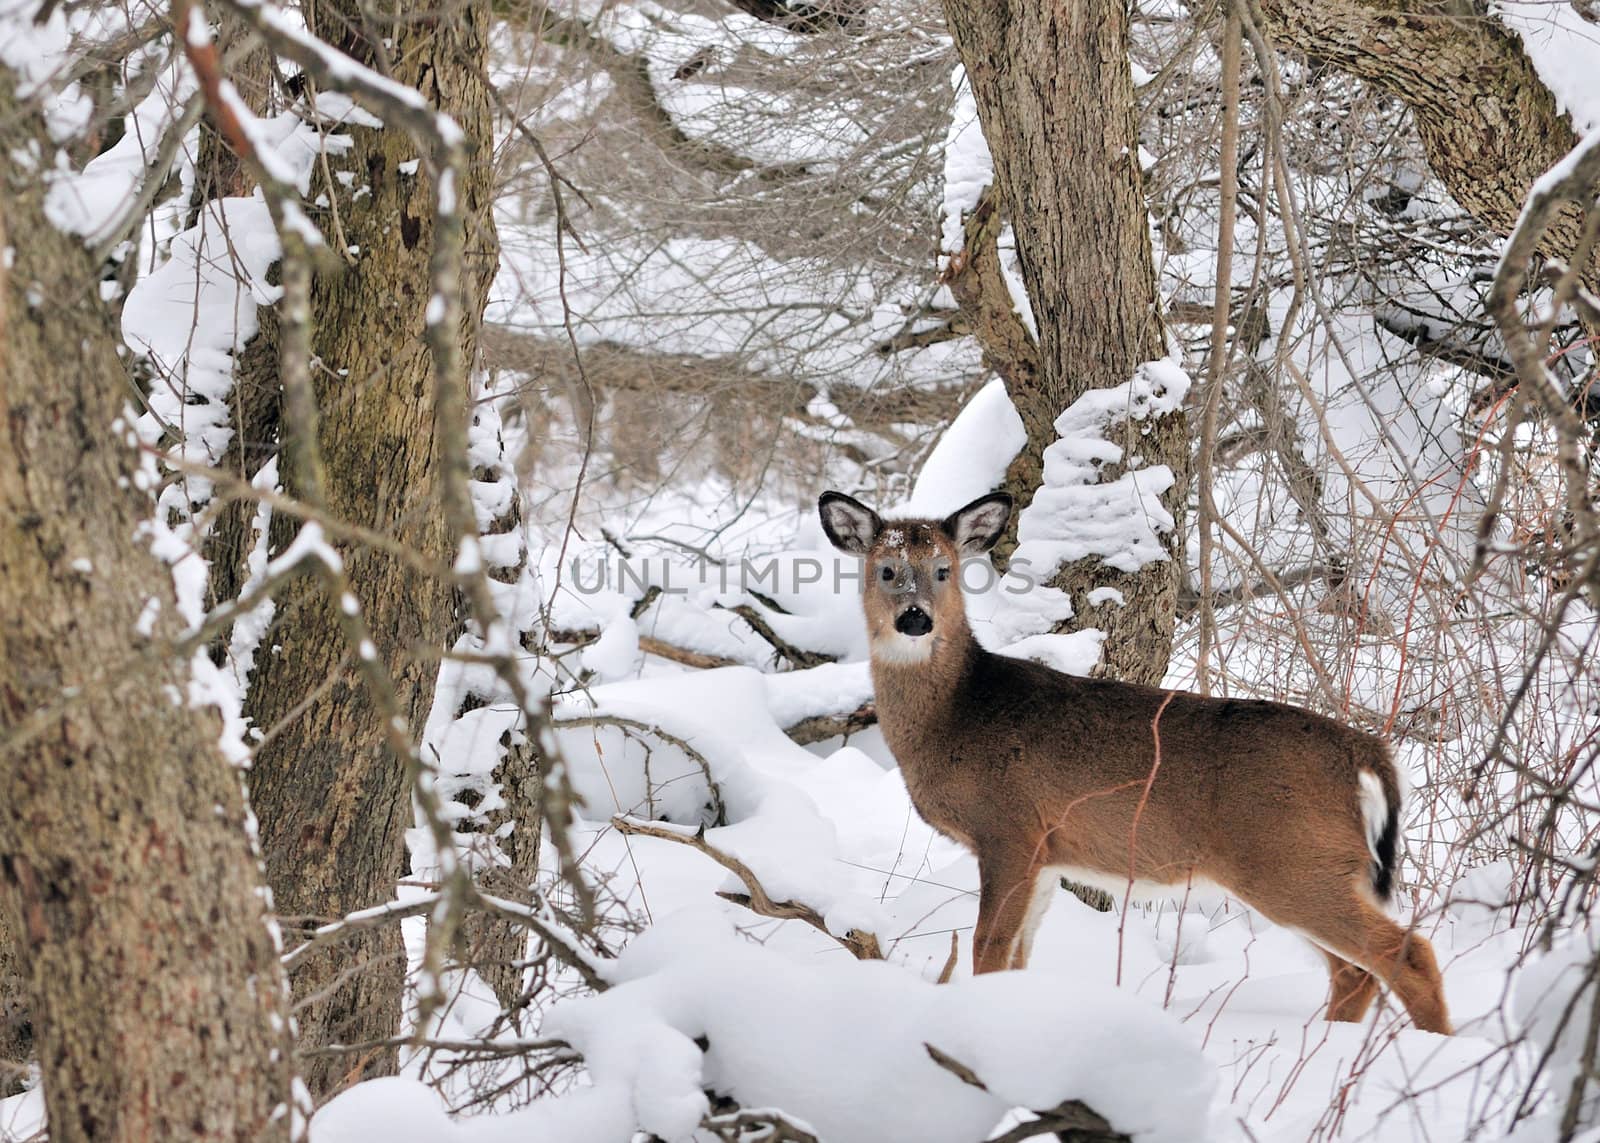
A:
(1005, 892)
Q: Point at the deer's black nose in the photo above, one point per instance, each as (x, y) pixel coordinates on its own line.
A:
(913, 621)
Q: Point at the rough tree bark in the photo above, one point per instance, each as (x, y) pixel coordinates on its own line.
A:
(127, 876)
(16, 1028)
(332, 801)
(1055, 98)
(1487, 122)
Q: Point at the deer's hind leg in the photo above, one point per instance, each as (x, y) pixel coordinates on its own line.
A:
(1351, 927)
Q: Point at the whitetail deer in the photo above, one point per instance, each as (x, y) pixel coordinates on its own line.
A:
(1132, 789)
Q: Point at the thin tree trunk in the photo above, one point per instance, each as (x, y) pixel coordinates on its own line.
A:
(332, 800)
(219, 173)
(493, 946)
(1055, 97)
(127, 877)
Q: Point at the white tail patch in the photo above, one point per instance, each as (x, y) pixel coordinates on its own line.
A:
(1374, 809)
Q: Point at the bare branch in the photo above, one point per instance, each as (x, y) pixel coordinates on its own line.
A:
(634, 726)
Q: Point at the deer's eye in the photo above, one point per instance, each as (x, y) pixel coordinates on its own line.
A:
(886, 573)
(942, 574)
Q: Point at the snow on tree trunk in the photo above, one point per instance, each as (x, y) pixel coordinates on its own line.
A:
(127, 875)
(1054, 93)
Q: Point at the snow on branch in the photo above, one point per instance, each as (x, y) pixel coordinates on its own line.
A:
(244, 132)
(338, 72)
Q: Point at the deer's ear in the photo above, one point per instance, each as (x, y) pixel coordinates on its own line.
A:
(851, 526)
(977, 527)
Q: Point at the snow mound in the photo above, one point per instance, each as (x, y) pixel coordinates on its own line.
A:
(972, 455)
(842, 1044)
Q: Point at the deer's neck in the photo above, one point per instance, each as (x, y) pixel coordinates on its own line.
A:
(915, 698)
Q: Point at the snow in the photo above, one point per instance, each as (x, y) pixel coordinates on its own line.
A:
(251, 627)
(347, 71)
(37, 51)
(1011, 273)
(878, 1083)
(145, 625)
(828, 689)
(341, 110)
(403, 1110)
(265, 147)
(22, 1116)
(91, 201)
(615, 655)
(445, 192)
(309, 543)
(968, 169)
(773, 1023)
(469, 557)
(192, 314)
(1071, 652)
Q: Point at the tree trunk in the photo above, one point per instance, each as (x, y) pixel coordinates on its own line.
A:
(332, 800)
(127, 876)
(1055, 97)
(510, 824)
(16, 1027)
(1488, 124)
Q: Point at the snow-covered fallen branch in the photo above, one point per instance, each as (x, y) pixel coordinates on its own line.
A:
(1072, 1119)
(862, 945)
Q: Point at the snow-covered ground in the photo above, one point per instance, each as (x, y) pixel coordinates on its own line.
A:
(1177, 1020)
(1182, 1020)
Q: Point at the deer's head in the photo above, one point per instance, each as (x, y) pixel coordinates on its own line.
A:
(911, 580)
